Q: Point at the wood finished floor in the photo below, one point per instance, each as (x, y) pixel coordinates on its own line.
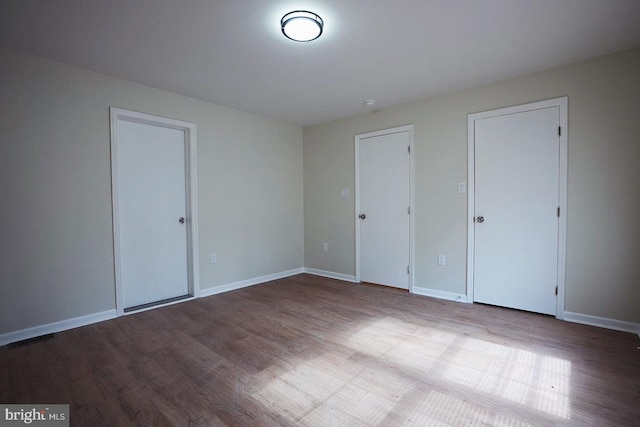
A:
(309, 351)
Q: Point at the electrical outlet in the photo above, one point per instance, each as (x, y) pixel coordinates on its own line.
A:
(214, 258)
(345, 192)
(325, 247)
(462, 187)
(442, 259)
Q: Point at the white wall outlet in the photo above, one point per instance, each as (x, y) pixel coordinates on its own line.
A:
(442, 259)
(214, 258)
(345, 192)
(325, 247)
(462, 187)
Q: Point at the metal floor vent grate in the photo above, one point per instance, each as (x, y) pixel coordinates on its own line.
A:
(29, 341)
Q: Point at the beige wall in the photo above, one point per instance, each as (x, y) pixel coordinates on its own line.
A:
(55, 199)
(603, 241)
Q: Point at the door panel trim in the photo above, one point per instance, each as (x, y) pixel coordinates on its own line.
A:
(118, 114)
(358, 138)
(562, 104)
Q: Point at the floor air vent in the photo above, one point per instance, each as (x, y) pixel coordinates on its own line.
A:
(28, 341)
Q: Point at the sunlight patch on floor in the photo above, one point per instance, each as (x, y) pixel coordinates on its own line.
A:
(371, 341)
(345, 388)
(420, 354)
(554, 384)
(368, 407)
(285, 399)
(439, 409)
(520, 376)
(327, 389)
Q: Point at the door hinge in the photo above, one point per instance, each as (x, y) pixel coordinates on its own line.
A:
(556, 290)
(559, 131)
(409, 210)
(408, 270)
(558, 211)
(409, 149)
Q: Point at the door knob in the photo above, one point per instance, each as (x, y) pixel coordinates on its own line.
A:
(362, 216)
(480, 219)
(181, 220)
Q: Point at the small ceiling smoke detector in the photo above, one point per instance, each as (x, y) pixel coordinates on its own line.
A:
(370, 102)
(301, 26)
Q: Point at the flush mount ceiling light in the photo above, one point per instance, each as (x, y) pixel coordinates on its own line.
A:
(301, 26)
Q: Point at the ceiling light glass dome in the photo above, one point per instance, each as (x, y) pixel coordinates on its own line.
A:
(301, 26)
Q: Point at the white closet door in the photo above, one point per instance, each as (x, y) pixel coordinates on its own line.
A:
(516, 210)
(152, 213)
(384, 203)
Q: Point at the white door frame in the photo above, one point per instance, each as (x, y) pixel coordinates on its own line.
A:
(562, 103)
(117, 114)
(406, 128)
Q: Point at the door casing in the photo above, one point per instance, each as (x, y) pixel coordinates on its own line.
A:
(358, 138)
(118, 114)
(562, 104)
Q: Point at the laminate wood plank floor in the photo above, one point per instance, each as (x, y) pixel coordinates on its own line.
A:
(311, 351)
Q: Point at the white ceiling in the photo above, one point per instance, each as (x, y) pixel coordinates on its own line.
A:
(232, 53)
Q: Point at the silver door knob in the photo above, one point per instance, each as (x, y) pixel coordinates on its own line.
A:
(480, 219)
(362, 216)
(181, 220)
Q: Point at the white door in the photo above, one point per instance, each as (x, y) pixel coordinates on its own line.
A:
(152, 212)
(517, 163)
(384, 200)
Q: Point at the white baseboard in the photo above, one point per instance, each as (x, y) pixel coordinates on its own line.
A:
(434, 293)
(249, 282)
(54, 327)
(330, 274)
(602, 322)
